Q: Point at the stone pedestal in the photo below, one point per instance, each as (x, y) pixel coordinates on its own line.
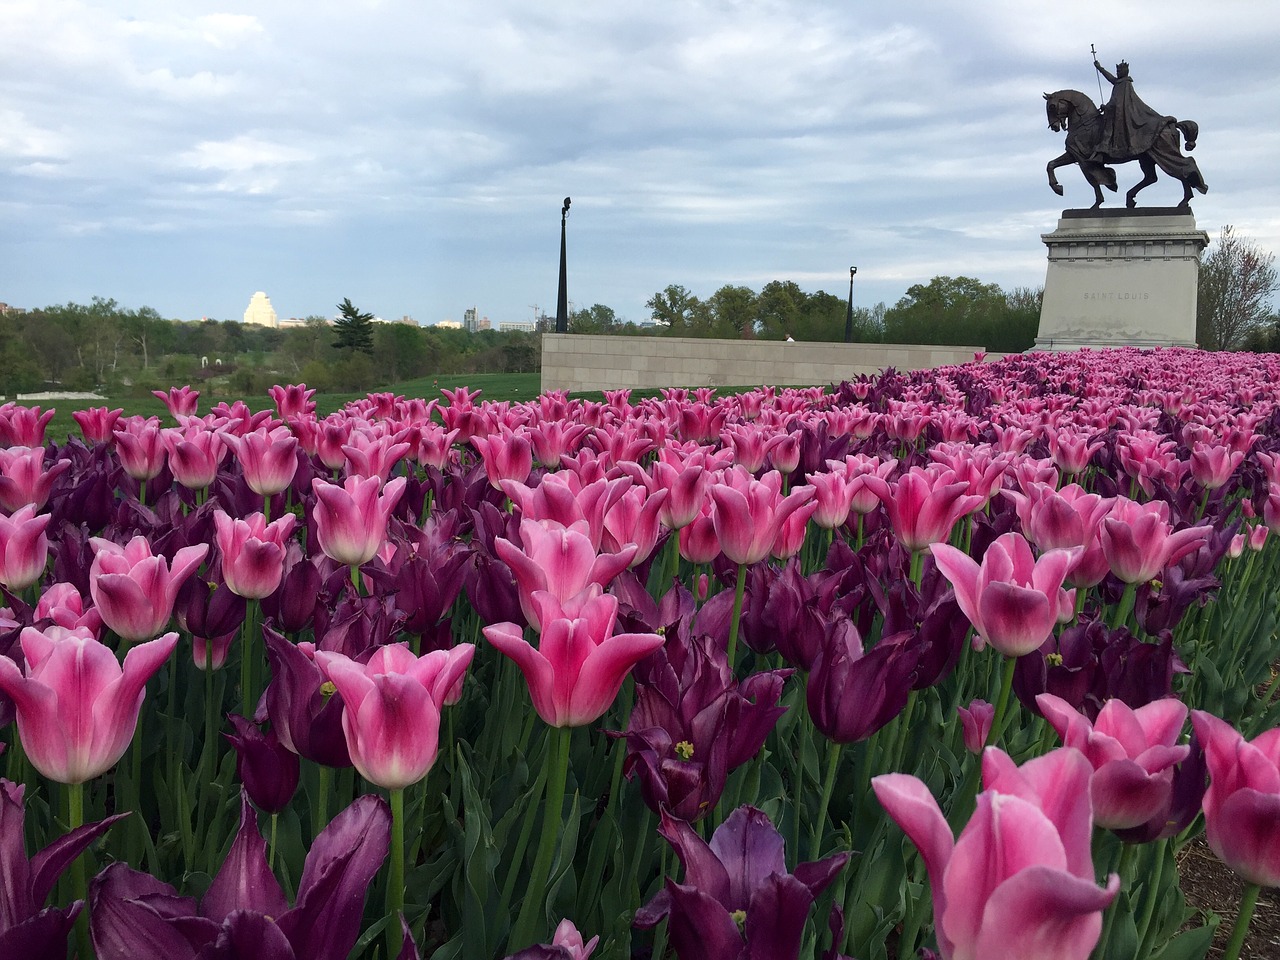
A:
(1121, 278)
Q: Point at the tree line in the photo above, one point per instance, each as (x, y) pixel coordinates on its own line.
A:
(956, 311)
(123, 351)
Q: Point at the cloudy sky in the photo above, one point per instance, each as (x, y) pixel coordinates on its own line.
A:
(413, 154)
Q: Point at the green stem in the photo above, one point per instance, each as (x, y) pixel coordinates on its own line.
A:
(738, 592)
(247, 700)
(1127, 852)
(558, 757)
(355, 579)
(142, 492)
(271, 847)
(1247, 903)
(1126, 605)
(917, 567)
(79, 881)
(1149, 897)
(828, 785)
(1002, 703)
(266, 507)
(395, 877)
(322, 801)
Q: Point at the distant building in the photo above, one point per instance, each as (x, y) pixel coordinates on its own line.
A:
(9, 308)
(484, 324)
(449, 324)
(408, 321)
(292, 322)
(470, 323)
(260, 312)
(523, 326)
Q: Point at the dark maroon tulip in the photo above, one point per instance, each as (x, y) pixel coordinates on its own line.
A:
(244, 881)
(742, 872)
(852, 693)
(27, 927)
(293, 606)
(1161, 605)
(307, 720)
(268, 770)
(693, 724)
(208, 610)
(133, 916)
(427, 582)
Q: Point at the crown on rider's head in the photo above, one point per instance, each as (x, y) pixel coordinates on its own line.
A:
(1122, 68)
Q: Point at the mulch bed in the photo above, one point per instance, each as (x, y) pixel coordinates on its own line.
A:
(1208, 885)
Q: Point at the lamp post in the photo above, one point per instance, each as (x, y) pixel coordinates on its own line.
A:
(562, 298)
(848, 317)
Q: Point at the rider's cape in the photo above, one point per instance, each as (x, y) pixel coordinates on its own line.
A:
(1130, 127)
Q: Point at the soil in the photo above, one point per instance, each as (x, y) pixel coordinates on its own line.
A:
(1210, 886)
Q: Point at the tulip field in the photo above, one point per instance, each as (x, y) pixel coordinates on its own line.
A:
(947, 664)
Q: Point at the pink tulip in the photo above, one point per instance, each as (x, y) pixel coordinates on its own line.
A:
(557, 559)
(351, 519)
(924, 504)
(555, 439)
(1019, 880)
(976, 720)
(634, 520)
(135, 591)
(1071, 451)
(391, 708)
(566, 499)
(435, 446)
(833, 497)
(747, 444)
(268, 457)
(180, 401)
(334, 433)
(783, 450)
(1012, 599)
(1242, 804)
(23, 426)
(97, 424)
(686, 485)
(24, 547)
(64, 607)
(859, 469)
(507, 456)
(578, 667)
(749, 513)
(252, 552)
(24, 479)
(1212, 465)
(373, 456)
(77, 709)
(140, 447)
(698, 540)
(195, 453)
(293, 400)
(1139, 541)
(1132, 752)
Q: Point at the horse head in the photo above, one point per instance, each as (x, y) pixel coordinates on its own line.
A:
(1065, 107)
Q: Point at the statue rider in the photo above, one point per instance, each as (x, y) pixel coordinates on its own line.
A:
(1130, 127)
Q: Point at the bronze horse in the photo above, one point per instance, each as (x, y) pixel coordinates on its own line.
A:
(1085, 125)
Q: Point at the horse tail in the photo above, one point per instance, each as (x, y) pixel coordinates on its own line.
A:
(1190, 132)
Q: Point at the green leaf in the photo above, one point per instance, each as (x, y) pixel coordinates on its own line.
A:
(1191, 945)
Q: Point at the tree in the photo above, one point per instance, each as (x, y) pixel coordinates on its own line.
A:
(733, 312)
(595, 319)
(1237, 281)
(677, 309)
(354, 328)
(780, 304)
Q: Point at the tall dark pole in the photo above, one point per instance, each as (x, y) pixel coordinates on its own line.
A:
(562, 298)
(848, 317)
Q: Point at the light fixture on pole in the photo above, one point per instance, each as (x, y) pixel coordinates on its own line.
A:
(848, 317)
(562, 297)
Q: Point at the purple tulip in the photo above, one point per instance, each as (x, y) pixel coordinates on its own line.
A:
(852, 693)
(27, 927)
(133, 916)
(738, 900)
(308, 721)
(693, 724)
(268, 769)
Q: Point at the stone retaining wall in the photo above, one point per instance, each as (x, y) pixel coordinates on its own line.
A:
(592, 362)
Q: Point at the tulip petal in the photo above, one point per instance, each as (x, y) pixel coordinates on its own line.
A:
(244, 882)
(1044, 914)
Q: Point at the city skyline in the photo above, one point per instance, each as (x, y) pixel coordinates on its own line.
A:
(414, 160)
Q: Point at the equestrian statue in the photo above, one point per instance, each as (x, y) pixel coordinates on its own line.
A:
(1124, 129)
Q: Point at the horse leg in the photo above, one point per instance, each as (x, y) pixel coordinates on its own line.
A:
(1099, 176)
(1148, 178)
(1060, 161)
